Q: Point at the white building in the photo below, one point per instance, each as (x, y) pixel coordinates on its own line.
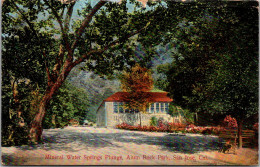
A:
(111, 112)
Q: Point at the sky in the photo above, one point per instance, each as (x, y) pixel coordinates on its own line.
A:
(81, 3)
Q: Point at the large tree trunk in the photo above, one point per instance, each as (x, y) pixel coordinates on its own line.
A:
(35, 133)
(36, 126)
(239, 133)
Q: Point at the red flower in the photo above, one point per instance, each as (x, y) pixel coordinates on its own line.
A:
(256, 126)
(230, 122)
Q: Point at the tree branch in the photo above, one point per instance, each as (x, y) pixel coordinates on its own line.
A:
(47, 69)
(66, 25)
(56, 15)
(59, 60)
(25, 18)
(62, 12)
(68, 16)
(112, 44)
(86, 22)
(64, 33)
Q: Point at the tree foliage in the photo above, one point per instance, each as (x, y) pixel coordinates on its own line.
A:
(215, 69)
(69, 103)
(49, 41)
(137, 82)
(212, 52)
(22, 74)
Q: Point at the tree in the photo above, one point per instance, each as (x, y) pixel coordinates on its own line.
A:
(137, 82)
(233, 85)
(209, 72)
(22, 73)
(69, 103)
(101, 39)
(177, 111)
(186, 75)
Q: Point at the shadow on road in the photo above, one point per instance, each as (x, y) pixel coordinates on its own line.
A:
(180, 144)
(76, 140)
(69, 140)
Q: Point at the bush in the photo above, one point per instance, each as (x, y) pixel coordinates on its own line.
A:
(14, 135)
(256, 127)
(153, 121)
(122, 126)
(176, 127)
(204, 130)
(162, 127)
(173, 127)
(207, 131)
(230, 122)
(191, 126)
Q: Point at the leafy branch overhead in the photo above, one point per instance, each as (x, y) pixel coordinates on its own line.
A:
(91, 37)
(103, 35)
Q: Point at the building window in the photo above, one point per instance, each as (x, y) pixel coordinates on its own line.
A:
(121, 109)
(152, 108)
(167, 107)
(157, 107)
(127, 111)
(162, 107)
(115, 107)
(132, 111)
(147, 109)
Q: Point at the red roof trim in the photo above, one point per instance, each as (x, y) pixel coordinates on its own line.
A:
(154, 97)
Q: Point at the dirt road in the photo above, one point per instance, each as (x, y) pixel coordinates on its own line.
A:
(103, 146)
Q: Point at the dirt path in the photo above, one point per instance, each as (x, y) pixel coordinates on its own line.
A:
(102, 146)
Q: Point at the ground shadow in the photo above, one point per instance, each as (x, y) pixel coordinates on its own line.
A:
(74, 140)
(68, 140)
(174, 143)
(10, 160)
(88, 139)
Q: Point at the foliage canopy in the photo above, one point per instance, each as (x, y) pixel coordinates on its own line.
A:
(137, 82)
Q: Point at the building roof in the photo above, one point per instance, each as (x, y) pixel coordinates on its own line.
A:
(153, 97)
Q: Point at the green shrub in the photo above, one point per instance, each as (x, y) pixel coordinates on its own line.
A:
(153, 121)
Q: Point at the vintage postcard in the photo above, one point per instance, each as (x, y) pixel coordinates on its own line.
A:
(129, 82)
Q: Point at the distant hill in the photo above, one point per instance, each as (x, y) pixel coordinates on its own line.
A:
(98, 88)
